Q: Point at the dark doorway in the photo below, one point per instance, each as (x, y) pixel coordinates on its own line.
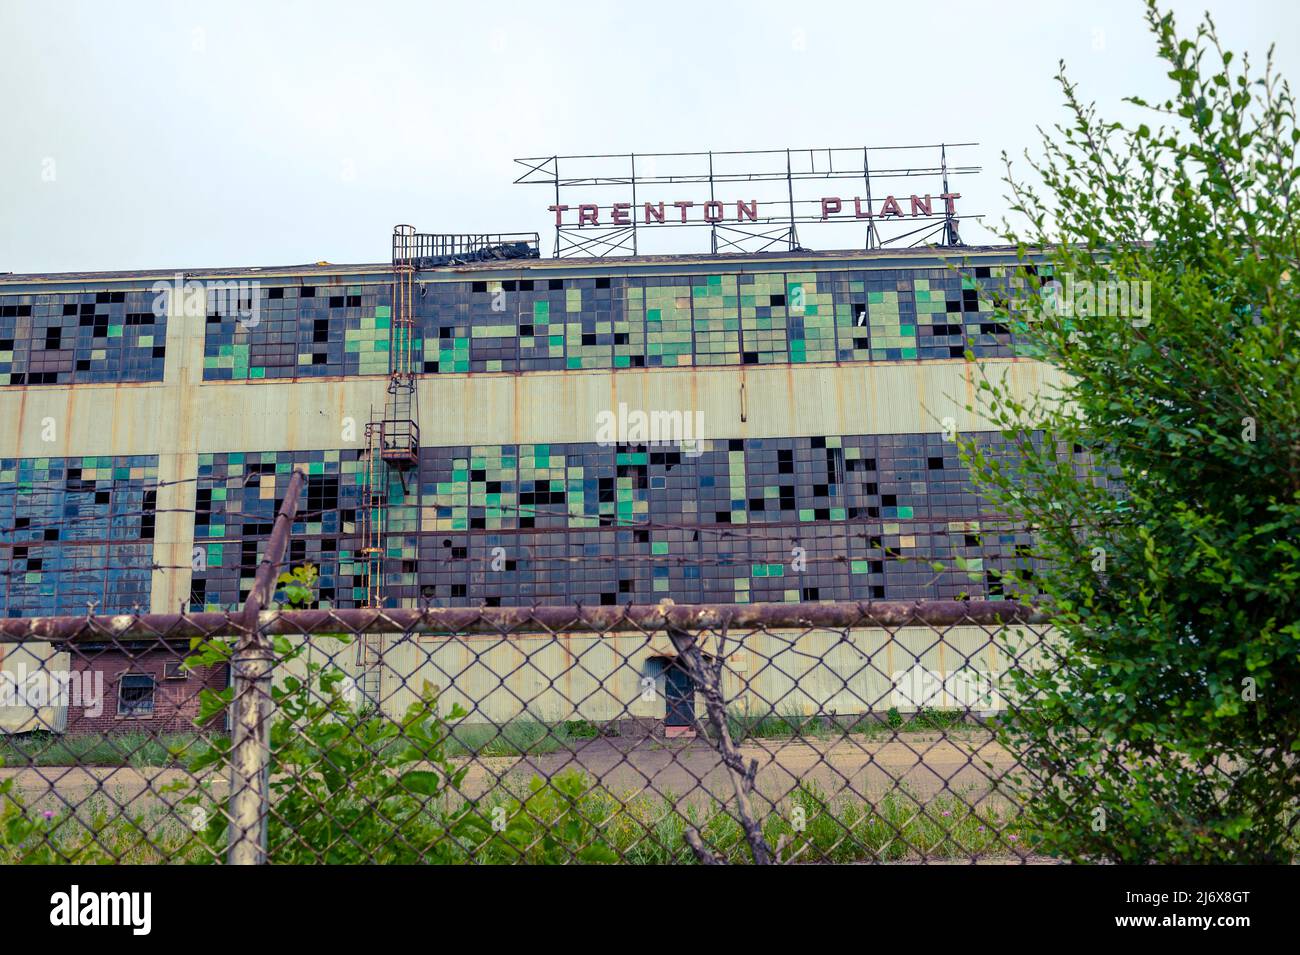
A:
(679, 697)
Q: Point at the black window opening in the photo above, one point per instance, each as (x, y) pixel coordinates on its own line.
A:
(322, 493)
(135, 695)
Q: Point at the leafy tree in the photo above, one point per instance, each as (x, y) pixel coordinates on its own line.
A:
(1161, 473)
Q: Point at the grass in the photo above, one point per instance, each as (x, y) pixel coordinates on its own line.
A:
(98, 832)
(640, 829)
(138, 750)
(141, 750)
(927, 718)
(526, 736)
(794, 724)
(743, 726)
(519, 737)
(570, 817)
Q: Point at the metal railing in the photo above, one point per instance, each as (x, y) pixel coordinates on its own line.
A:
(426, 249)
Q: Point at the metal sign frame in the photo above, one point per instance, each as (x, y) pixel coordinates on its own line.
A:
(612, 227)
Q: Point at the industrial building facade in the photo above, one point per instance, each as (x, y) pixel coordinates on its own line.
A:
(147, 447)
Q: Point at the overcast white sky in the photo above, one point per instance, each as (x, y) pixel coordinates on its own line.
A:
(160, 135)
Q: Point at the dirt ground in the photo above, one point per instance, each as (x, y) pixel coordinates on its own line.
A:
(924, 764)
(691, 770)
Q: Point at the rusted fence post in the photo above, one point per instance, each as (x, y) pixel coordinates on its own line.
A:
(251, 666)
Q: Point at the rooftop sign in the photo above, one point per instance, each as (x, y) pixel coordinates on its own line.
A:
(753, 200)
(713, 211)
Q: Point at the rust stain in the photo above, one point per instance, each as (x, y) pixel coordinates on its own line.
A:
(613, 391)
(744, 400)
(872, 397)
(969, 375)
(22, 413)
(695, 390)
(114, 416)
(288, 421)
(116, 385)
(837, 382)
(791, 398)
(516, 426)
(569, 663)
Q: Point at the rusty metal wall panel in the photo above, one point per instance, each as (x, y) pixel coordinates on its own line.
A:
(598, 678)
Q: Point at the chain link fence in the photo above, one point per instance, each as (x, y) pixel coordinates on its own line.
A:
(770, 732)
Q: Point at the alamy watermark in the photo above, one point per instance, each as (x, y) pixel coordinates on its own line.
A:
(1116, 298)
(967, 688)
(233, 298)
(129, 909)
(57, 688)
(681, 429)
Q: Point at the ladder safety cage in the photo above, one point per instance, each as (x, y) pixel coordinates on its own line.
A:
(393, 437)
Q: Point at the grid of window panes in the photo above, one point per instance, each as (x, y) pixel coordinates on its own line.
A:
(75, 533)
(776, 519)
(620, 321)
(64, 338)
(236, 500)
(297, 331)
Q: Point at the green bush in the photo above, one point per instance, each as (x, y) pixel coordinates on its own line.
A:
(1161, 477)
(347, 785)
(560, 821)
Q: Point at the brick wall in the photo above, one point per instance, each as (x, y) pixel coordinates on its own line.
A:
(176, 701)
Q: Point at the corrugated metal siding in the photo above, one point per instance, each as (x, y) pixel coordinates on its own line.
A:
(598, 678)
(20, 661)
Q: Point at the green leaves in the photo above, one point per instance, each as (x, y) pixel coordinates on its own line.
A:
(422, 782)
(296, 586)
(561, 819)
(348, 785)
(1190, 486)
